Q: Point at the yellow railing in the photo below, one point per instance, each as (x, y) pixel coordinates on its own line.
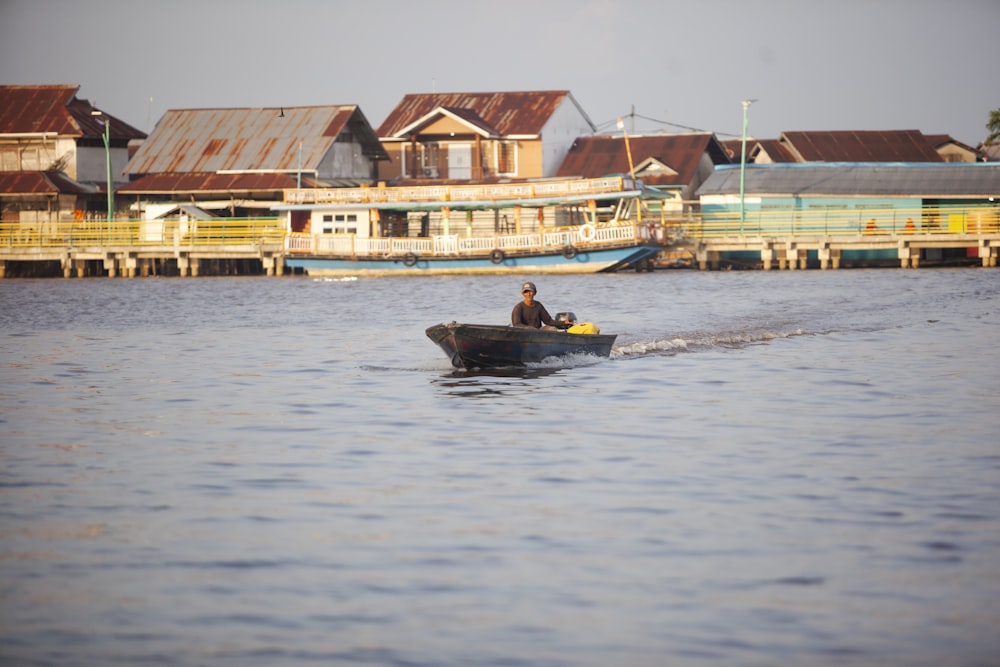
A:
(216, 231)
(266, 231)
(843, 222)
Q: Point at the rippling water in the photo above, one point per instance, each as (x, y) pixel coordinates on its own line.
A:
(780, 468)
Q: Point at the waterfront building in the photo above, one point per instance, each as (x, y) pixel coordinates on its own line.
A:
(481, 137)
(54, 164)
(237, 162)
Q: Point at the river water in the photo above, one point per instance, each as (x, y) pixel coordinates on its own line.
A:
(773, 468)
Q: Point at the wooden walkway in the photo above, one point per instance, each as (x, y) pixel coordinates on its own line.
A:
(829, 251)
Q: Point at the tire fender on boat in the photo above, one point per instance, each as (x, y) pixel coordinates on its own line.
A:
(409, 259)
(587, 232)
(569, 252)
(497, 256)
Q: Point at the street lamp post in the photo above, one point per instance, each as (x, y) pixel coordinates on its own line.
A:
(107, 155)
(743, 165)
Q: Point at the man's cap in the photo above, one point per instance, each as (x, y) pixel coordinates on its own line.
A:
(528, 286)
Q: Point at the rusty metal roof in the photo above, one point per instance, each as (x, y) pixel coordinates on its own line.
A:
(215, 140)
(509, 113)
(40, 183)
(773, 148)
(55, 109)
(593, 157)
(928, 180)
(209, 182)
(860, 146)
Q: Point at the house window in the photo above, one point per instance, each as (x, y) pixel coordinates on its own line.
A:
(9, 159)
(346, 223)
(428, 160)
(506, 152)
(328, 224)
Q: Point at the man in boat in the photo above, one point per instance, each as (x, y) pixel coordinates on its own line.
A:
(532, 314)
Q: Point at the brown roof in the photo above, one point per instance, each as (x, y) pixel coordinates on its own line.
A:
(284, 139)
(777, 151)
(939, 141)
(593, 157)
(508, 113)
(55, 109)
(861, 146)
(204, 183)
(39, 183)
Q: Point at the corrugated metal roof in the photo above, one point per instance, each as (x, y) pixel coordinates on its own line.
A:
(509, 113)
(470, 116)
(938, 141)
(25, 109)
(861, 146)
(959, 179)
(593, 157)
(55, 109)
(40, 183)
(213, 140)
(202, 183)
(775, 150)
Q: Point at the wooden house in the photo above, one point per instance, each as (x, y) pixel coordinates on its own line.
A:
(53, 160)
(481, 137)
(674, 165)
(950, 149)
(237, 162)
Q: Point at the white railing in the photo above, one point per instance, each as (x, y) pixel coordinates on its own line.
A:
(584, 237)
(461, 193)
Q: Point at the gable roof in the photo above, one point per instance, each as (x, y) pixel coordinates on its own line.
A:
(467, 117)
(506, 113)
(593, 157)
(55, 109)
(773, 148)
(939, 141)
(249, 139)
(860, 146)
(928, 180)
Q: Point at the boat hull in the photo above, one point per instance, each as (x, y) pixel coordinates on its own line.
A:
(591, 261)
(491, 346)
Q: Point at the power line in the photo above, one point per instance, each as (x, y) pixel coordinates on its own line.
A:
(687, 128)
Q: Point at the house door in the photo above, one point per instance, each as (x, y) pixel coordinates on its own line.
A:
(460, 161)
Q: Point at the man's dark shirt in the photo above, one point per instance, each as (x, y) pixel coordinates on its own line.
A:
(532, 316)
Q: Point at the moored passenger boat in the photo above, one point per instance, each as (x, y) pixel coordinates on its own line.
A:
(547, 226)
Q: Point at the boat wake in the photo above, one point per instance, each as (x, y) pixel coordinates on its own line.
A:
(700, 341)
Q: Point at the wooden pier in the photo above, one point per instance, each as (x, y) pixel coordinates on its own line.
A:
(226, 246)
(831, 239)
(133, 248)
(828, 252)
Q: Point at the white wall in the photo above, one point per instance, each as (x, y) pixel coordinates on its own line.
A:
(345, 160)
(563, 128)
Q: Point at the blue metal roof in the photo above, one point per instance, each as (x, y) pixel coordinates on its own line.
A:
(928, 180)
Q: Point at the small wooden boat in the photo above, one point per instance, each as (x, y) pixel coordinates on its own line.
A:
(491, 346)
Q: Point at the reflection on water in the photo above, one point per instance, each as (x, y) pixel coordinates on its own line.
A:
(484, 382)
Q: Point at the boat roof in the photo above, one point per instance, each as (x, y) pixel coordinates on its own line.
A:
(538, 193)
(470, 205)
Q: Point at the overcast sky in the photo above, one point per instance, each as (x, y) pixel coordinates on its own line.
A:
(928, 65)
